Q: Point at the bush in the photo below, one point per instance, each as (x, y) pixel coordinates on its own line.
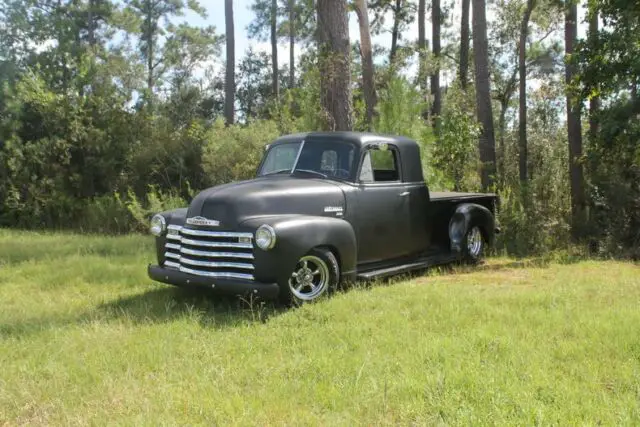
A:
(233, 153)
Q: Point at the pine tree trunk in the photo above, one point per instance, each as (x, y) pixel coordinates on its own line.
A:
(292, 42)
(464, 45)
(395, 32)
(230, 77)
(368, 81)
(574, 128)
(522, 114)
(274, 50)
(487, 142)
(435, 77)
(335, 72)
(422, 52)
(594, 102)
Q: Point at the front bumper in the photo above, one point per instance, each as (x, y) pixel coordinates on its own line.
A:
(223, 286)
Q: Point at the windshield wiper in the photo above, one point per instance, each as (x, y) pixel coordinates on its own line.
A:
(276, 172)
(323, 175)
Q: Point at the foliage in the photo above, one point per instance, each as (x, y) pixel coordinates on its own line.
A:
(128, 98)
(456, 155)
(233, 153)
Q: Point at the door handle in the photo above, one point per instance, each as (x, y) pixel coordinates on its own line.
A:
(404, 193)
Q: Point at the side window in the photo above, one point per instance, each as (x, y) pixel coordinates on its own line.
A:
(380, 166)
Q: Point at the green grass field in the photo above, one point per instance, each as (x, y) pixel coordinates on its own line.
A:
(86, 338)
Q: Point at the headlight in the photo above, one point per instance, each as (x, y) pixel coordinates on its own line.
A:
(158, 225)
(265, 237)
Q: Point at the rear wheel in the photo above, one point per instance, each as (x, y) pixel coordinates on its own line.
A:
(473, 244)
(316, 274)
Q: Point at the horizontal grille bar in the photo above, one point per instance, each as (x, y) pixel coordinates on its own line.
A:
(213, 254)
(215, 244)
(172, 246)
(214, 274)
(203, 233)
(171, 264)
(213, 264)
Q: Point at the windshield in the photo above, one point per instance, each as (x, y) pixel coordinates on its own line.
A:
(332, 159)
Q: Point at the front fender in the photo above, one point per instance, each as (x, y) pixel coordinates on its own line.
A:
(298, 234)
(173, 217)
(467, 215)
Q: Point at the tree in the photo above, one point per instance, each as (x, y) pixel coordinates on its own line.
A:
(368, 81)
(334, 57)
(422, 51)
(464, 45)
(574, 127)
(395, 32)
(254, 84)
(274, 49)
(150, 13)
(487, 145)
(402, 12)
(594, 99)
(436, 108)
(230, 79)
(522, 66)
(263, 27)
(291, 6)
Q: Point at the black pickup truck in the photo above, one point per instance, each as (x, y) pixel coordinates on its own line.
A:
(324, 208)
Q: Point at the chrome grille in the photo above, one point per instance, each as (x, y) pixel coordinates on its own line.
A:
(216, 254)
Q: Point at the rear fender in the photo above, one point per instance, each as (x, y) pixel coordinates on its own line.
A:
(466, 216)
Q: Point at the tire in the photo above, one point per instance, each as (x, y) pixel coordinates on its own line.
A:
(473, 245)
(316, 275)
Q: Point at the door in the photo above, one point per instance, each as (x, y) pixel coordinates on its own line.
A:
(383, 206)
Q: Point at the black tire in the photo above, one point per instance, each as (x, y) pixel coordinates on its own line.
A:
(316, 275)
(473, 245)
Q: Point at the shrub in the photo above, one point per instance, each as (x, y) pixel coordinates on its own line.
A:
(233, 153)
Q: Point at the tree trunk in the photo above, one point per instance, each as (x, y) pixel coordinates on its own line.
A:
(395, 33)
(594, 102)
(522, 114)
(487, 142)
(335, 72)
(435, 77)
(422, 52)
(368, 81)
(91, 24)
(292, 42)
(230, 77)
(464, 45)
(574, 129)
(274, 50)
(500, 155)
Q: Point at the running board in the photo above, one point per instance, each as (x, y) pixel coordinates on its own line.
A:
(418, 264)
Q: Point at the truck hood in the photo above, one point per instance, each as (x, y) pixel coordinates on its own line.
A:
(232, 204)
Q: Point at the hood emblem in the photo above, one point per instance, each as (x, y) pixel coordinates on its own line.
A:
(200, 220)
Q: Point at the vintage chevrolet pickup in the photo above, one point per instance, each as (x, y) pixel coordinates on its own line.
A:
(325, 208)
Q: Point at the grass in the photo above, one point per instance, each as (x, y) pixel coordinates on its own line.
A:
(86, 338)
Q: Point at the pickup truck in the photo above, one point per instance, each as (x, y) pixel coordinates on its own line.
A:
(325, 208)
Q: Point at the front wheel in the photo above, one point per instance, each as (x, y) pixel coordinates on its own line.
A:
(316, 274)
(473, 244)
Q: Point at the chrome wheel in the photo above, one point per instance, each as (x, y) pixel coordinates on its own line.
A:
(474, 242)
(309, 279)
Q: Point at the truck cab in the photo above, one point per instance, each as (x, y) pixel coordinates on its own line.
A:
(324, 208)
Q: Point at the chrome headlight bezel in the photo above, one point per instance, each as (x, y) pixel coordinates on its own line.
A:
(265, 237)
(158, 225)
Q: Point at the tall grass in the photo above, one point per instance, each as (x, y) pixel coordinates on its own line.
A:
(86, 338)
